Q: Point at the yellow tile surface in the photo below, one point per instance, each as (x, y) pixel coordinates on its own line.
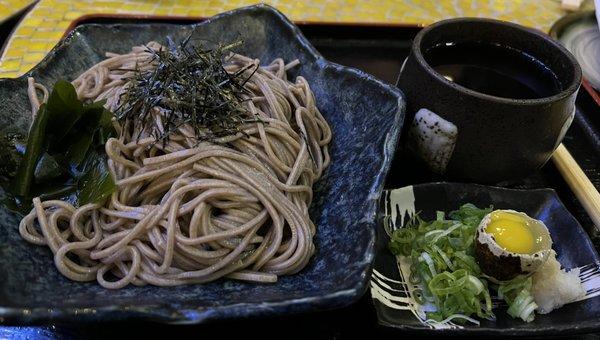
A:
(10, 7)
(46, 23)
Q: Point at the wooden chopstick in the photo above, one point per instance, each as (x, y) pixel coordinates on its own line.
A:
(579, 183)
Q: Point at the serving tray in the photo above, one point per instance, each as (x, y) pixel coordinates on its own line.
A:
(378, 50)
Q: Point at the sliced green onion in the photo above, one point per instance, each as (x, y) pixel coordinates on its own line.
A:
(440, 215)
(444, 257)
(446, 232)
(517, 293)
(443, 264)
(425, 256)
(475, 284)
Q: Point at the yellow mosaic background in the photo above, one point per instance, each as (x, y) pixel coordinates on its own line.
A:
(10, 7)
(46, 23)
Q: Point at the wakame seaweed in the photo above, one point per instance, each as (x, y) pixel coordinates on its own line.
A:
(12, 148)
(36, 140)
(64, 151)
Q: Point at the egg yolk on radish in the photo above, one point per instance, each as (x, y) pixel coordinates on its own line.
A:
(512, 232)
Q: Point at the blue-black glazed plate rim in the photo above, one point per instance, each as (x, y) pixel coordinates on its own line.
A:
(547, 202)
(165, 312)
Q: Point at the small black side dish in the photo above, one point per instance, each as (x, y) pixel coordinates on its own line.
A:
(571, 243)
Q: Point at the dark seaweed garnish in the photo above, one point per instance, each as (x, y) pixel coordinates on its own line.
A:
(191, 86)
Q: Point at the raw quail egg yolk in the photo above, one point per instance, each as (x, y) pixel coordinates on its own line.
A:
(511, 232)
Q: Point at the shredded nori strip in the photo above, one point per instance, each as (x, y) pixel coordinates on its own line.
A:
(191, 86)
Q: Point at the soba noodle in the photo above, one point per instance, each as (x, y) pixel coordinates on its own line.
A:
(185, 212)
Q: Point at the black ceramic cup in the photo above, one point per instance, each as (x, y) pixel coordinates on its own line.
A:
(497, 138)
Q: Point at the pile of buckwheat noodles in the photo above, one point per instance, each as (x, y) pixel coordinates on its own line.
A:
(185, 212)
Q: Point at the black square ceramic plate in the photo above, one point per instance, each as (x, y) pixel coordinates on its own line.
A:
(365, 115)
(571, 243)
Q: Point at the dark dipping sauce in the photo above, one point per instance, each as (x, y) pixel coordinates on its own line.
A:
(494, 70)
